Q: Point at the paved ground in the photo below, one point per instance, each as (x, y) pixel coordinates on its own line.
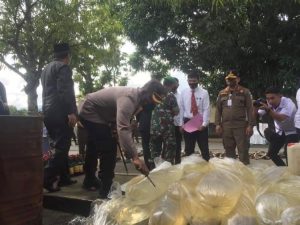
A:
(51, 217)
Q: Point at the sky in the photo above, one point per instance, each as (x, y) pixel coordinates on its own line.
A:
(16, 96)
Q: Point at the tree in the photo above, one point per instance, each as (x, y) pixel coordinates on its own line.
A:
(17, 112)
(258, 38)
(157, 67)
(28, 30)
(99, 61)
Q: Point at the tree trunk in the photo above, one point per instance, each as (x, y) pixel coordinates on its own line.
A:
(32, 96)
(32, 102)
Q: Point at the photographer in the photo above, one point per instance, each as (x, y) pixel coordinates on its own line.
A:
(282, 110)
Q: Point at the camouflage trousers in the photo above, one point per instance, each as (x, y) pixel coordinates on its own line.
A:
(163, 146)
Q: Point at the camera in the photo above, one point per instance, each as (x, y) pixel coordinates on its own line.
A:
(258, 103)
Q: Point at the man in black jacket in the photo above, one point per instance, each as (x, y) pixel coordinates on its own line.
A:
(60, 115)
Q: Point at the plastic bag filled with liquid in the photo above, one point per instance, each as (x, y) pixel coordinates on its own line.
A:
(238, 171)
(140, 191)
(291, 216)
(269, 208)
(194, 164)
(211, 198)
(270, 176)
(168, 211)
(244, 213)
(289, 186)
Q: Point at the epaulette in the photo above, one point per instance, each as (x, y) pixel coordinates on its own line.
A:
(224, 92)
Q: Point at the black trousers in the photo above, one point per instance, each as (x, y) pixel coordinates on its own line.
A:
(100, 144)
(201, 137)
(276, 142)
(145, 135)
(178, 138)
(60, 134)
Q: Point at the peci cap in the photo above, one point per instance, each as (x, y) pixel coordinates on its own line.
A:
(169, 81)
(232, 75)
(61, 48)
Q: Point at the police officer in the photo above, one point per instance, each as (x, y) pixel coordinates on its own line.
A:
(234, 119)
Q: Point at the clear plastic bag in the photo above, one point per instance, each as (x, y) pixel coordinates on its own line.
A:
(289, 186)
(218, 192)
(238, 171)
(140, 191)
(291, 216)
(270, 176)
(269, 208)
(208, 197)
(168, 211)
(244, 213)
(194, 164)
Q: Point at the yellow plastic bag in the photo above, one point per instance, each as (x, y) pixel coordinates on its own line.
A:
(244, 213)
(141, 192)
(168, 211)
(269, 208)
(291, 216)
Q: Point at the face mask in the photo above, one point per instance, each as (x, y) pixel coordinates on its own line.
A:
(193, 86)
(231, 83)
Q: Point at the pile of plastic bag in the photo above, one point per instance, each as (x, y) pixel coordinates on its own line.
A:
(221, 192)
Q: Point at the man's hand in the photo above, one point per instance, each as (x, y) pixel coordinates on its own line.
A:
(72, 120)
(265, 107)
(219, 130)
(140, 166)
(181, 129)
(201, 128)
(79, 124)
(249, 131)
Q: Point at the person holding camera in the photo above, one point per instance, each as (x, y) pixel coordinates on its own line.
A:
(234, 119)
(282, 110)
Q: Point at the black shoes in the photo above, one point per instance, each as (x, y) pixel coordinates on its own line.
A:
(91, 184)
(104, 189)
(63, 183)
(51, 185)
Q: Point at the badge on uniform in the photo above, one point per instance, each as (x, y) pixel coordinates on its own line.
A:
(229, 102)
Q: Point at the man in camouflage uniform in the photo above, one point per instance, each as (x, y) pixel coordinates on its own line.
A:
(162, 131)
(234, 119)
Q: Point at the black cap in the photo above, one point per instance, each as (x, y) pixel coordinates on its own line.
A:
(61, 48)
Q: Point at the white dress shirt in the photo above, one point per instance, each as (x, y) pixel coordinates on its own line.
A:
(287, 108)
(179, 115)
(297, 116)
(202, 100)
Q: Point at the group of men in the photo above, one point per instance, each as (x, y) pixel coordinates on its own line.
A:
(107, 115)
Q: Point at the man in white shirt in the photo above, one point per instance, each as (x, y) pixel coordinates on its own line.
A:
(194, 101)
(282, 110)
(178, 134)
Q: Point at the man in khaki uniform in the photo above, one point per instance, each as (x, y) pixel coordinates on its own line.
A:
(234, 119)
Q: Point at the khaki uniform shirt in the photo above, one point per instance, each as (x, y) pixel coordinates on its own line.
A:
(114, 105)
(234, 108)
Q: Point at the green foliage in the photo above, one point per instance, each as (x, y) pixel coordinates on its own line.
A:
(157, 67)
(261, 39)
(29, 28)
(17, 112)
(98, 60)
